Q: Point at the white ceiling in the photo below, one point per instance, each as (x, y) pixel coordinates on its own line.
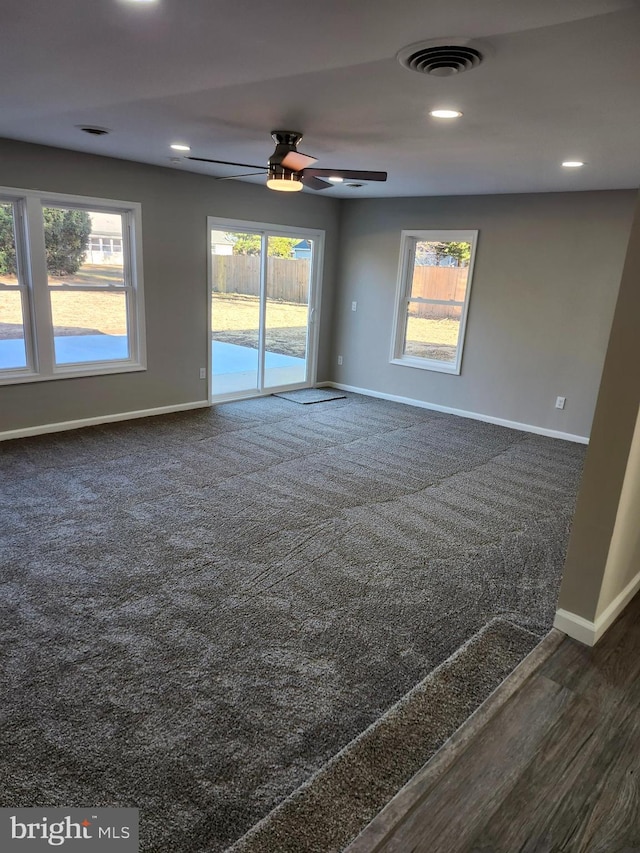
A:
(560, 81)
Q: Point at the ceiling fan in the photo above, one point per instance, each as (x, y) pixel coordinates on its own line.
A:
(289, 170)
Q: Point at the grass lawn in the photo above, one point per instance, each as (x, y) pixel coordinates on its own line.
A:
(236, 312)
(235, 321)
(73, 313)
(235, 318)
(432, 338)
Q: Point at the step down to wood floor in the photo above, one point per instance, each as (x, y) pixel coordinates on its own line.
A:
(326, 813)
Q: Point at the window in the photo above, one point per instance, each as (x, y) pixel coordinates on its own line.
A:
(432, 299)
(14, 297)
(70, 297)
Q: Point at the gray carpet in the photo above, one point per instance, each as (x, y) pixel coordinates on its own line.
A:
(331, 809)
(199, 610)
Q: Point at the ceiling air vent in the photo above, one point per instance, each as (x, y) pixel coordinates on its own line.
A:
(94, 131)
(440, 60)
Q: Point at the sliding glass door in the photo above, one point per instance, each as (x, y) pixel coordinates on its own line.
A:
(264, 291)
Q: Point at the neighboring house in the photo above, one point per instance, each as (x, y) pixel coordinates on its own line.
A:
(105, 240)
(221, 243)
(302, 250)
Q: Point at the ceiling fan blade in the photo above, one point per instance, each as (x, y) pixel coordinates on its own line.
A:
(347, 174)
(296, 161)
(315, 183)
(243, 175)
(226, 163)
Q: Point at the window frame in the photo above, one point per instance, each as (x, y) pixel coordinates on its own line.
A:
(22, 288)
(408, 240)
(33, 275)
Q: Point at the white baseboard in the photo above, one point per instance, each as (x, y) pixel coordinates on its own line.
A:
(613, 610)
(575, 626)
(590, 632)
(101, 419)
(476, 416)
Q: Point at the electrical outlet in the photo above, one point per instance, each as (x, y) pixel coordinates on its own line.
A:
(354, 306)
(203, 373)
(339, 359)
(560, 401)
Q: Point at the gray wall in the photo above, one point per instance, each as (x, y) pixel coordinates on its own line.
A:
(623, 559)
(611, 464)
(547, 273)
(175, 206)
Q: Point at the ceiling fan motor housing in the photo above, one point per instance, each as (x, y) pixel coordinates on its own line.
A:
(286, 141)
(277, 171)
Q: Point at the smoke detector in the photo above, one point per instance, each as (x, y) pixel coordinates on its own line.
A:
(441, 58)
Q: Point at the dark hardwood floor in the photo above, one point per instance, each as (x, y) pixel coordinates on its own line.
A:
(557, 768)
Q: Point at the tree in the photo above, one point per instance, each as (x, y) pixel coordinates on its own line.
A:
(460, 251)
(66, 237)
(428, 251)
(245, 244)
(7, 242)
(249, 244)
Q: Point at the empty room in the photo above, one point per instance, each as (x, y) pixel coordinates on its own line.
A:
(319, 435)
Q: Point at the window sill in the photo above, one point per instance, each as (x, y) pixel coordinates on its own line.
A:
(427, 364)
(73, 372)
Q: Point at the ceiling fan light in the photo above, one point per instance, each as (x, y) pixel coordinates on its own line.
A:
(288, 183)
(445, 113)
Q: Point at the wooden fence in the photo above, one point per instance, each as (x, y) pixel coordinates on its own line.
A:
(287, 278)
(446, 283)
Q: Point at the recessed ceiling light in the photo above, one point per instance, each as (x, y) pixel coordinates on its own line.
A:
(335, 179)
(178, 146)
(572, 164)
(445, 113)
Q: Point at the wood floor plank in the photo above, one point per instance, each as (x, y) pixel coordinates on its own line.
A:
(610, 672)
(614, 822)
(599, 812)
(483, 777)
(553, 798)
